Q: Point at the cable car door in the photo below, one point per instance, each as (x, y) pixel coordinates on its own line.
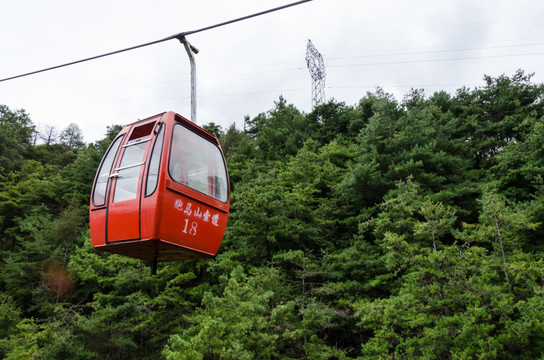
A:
(123, 211)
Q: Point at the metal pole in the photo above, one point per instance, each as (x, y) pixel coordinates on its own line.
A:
(191, 51)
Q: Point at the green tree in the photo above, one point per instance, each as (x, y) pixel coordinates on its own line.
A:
(416, 140)
(235, 325)
(502, 226)
(231, 140)
(520, 163)
(214, 129)
(453, 305)
(333, 119)
(72, 137)
(308, 327)
(267, 217)
(16, 130)
(489, 116)
(10, 315)
(439, 221)
(279, 133)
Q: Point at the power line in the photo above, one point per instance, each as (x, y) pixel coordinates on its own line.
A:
(179, 36)
(433, 51)
(437, 60)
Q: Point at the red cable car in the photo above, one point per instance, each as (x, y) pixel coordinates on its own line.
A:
(161, 192)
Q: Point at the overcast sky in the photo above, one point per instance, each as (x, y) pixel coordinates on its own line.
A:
(243, 68)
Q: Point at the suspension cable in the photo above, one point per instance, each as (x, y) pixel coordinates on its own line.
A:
(179, 36)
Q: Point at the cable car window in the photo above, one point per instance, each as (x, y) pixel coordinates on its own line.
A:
(197, 163)
(154, 165)
(142, 131)
(99, 193)
(128, 172)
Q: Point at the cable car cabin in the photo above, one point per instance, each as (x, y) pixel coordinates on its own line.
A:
(161, 192)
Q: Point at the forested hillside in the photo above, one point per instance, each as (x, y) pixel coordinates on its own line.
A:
(392, 228)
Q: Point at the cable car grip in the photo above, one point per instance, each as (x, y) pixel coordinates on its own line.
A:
(191, 51)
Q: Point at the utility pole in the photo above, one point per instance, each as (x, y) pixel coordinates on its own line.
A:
(315, 64)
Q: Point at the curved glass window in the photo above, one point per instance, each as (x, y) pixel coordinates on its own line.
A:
(197, 163)
(128, 172)
(99, 193)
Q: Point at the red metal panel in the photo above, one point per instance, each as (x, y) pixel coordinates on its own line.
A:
(97, 223)
(123, 221)
(189, 222)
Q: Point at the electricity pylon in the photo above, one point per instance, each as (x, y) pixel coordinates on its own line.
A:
(315, 64)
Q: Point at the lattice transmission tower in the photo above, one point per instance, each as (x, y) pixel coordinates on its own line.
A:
(315, 64)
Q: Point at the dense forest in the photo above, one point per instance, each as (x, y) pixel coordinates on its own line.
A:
(390, 229)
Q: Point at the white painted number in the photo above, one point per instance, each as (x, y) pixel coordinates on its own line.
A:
(192, 229)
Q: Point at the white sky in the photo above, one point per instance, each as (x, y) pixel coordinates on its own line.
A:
(243, 68)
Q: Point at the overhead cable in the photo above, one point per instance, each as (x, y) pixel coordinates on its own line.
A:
(179, 36)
